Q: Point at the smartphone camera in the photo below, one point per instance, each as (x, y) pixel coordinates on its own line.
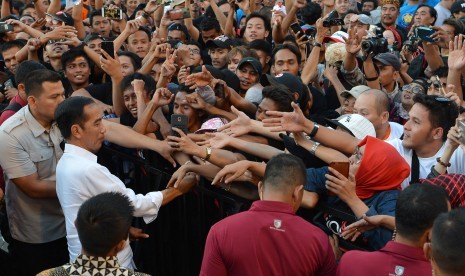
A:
(333, 20)
(5, 28)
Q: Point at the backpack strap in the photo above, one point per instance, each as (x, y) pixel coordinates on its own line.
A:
(12, 106)
(415, 168)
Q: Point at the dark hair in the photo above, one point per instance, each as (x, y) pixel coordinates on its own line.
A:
(193, 42)
(441, 113)
(70, 55)
(27, 6)
(289, 47)
(265, 19)
(442, 72)
(278, 170)
(11, 44)
(135, 59)
(143, 29)
(375, 3)
(310, 13)
(210, 23)
(25, 68)
(459, 27)
(103, 221)
(149, 85)
(281, 95)
(71, 112)
(432, 12)
(416, 208)
(34, 80)
(94, 14)
(448, 241)
(260, 45)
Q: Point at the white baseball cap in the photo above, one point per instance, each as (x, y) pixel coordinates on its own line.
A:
(355, 124)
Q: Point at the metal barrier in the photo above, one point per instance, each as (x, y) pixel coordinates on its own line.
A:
(177, 236)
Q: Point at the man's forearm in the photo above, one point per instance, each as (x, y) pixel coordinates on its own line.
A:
(259, 150)
(350, 62)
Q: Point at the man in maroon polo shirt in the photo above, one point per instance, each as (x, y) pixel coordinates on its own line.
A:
(269, 239)
(416, 209)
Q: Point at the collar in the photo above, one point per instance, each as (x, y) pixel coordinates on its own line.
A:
(36, 128)
(271, 206)
(76, 150)
(405, 250)
(96, 262)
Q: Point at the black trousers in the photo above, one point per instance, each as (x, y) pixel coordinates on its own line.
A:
(30, 259)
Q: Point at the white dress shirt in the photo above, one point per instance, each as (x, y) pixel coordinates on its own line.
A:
(78, 178)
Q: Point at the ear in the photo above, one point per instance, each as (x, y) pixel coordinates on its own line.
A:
(120, 246)
(267, 33)
(21, 87)
(427, 250)
(296, 96)
(437, 133)
(31, 100)
(260, 189)
(76, 131)
(385, 116)
(267, 59)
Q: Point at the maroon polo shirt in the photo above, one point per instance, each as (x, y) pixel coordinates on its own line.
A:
(393, 259)
(268, 239)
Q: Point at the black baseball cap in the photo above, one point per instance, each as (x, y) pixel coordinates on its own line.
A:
(457, 7)
(179, 27)
(290, 81)
(221, 41)
(257, 66)
(389, 60)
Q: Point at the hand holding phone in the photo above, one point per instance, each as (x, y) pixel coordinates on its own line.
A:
(109, 47)
(179, 121)
(341, 167)
(295, 27)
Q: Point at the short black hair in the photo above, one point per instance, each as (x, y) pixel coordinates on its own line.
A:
(441, 113)
(71, 112)
(70, 55)
(209, 23)
(459, 27)
(375, 3)
(135, 59)
(34, 80)
(25, 68)
(149, 85)
(261, 45)
(94, 14)
(278, 170)
(441, 72)
(281, 95)
(265, 19)
(145, 30)
(311, 12)
(417, 207)
(11, 44)
(448, 241)
(432, 12)
(29, 5)
(289, 47)
(103, 221)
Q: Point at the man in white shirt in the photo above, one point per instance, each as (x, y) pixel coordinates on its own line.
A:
(443, 9)
(79, 176)
(431, 118)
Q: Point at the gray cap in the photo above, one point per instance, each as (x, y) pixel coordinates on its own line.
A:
(355, 91)
(389, 60)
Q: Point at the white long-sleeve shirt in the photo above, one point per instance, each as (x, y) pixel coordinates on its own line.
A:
(78, 178)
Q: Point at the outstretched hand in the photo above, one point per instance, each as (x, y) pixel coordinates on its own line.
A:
(233, 172)
(286, 121)
(239, 126)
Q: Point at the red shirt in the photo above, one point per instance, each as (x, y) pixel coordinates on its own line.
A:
(393, 259)
(268, 239)
(8, 113)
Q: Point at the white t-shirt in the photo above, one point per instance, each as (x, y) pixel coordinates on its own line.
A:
(397, 130)
(443, 14)
(457, 161)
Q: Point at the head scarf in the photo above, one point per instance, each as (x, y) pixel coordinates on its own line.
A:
(382, 168)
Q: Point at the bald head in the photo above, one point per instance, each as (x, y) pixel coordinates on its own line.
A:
(380, 98)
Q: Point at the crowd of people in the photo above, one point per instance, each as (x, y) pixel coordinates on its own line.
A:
(350, 108)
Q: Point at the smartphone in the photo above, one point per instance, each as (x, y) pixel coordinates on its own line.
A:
(295, 27)
(5, 28)
(108, 47)
(179, 14)
(179, 121)
(461, 126)
(424, 33)
(341, 167)
(116, 14)
(438, 85)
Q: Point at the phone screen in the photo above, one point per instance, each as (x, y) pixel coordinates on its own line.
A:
(179, 121)
(108, 47)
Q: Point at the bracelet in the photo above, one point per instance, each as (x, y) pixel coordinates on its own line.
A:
(208, 152)
(316, 44)
(314, 130)
(314, 147)
(371, 79)
(188, 162)
(442, 163)
(145, 14)
(228, 188)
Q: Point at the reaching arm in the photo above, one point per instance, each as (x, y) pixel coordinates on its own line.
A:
(6, 9)
(32, 186)
(77, 17)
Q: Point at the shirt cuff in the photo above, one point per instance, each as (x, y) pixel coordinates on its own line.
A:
(157, 199)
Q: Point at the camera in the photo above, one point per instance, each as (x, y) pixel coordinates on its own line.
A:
(333, 20)
(412, 43)
(4, 27)
(376, 44)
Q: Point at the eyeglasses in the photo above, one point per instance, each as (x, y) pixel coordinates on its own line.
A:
(194, 51)
(357, 155)
(55, 41)
(412, 88)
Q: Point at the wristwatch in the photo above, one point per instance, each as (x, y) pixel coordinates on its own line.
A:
(316, 44)
(314, 130)
(208, 152)
(314, 147)
(145, 14)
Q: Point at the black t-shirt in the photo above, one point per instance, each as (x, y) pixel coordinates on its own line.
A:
(101, 92)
